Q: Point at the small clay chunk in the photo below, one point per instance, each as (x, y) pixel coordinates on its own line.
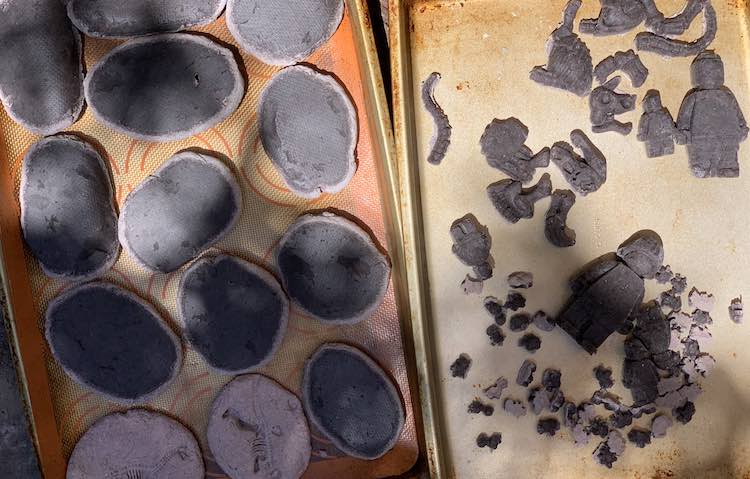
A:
(493, 306)
(471, 285)
(569, 66)
(639, 437)
(73, 236)
(526, 373)
(679, 284)
(351, 400)
(551, 379)
(548, 426)
(513, 201)
(598, 427)
(477, 407)
(331, 269)
(471, 244)
(282, 33)
(136, 444)
(308, 127)
(570, 414)
(605, 104)
(112, 341)
(585, 174)
(496, 335)
(556, 229)
(492, 441)
(530, 342)
(235, 313)
(671, 47)
(684, 414)
(542, 321)
(253, 410)
(515, 301)
(521, 280)
(628, 62)
(519, 322)
(657, 129)
(117, 19)
(701, 300)
(664, 275)
(165, 87)
(660, 425)
(736, 313)
(616, 17)
(441, 136)
(641, 377)
(604, 456)
(496, 390)
(503, 145)
(604, 377)
(621, 419)
(461, 366)
(669, 300)
(701, 318)
(643, 253)
(514, 408)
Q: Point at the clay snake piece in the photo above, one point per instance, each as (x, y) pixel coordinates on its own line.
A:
(441, 137)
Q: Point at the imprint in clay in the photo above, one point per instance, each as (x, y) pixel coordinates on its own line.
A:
(513, 201)
(605, 103)
(670, 47)
(471, 244)
(628, 62)
(585, 174)
(656, 128)
(556, 229)
(441, 136)
(503, 145)
(616, 17)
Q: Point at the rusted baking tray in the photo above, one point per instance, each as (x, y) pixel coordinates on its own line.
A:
(484, 50)
(62, 411)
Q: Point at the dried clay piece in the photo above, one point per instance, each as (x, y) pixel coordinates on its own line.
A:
(515, 301)
(660, 425)
(670, 47)
(530, 342)
(441, 132)
(585, 174)
(628, 62)
(496, 335)
(605, 103)
(461, 366)
(503, 145)
(643, 253)
(543, 321)
(556, 229)
(471, 244)
(491, 441)
(616, 17)
(548, 426)
(514, 408)
(519, 322)
(736, 313)
(496, 390)
(471, 285)
(513, 201)
(604, 377)
(477, 407)
(521, 280)
(678, 24)
(701, 300)
(664, 275)
(526, 373)
(658, 130)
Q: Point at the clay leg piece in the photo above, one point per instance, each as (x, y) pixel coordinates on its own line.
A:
(513, 201)
(555, 227)
(441, 138)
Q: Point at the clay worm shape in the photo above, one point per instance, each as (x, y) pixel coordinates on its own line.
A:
(513, 201)
(670, 47)
(605, 104)
(628, 62)
(441, 137)
(503, 145)
(555, 228)
(585, 174)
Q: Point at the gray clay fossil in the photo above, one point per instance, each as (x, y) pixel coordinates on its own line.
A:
(441, 136)
(556, 229)
(627, 62)
(569, 65)
(605, 103)
(352, 401)
(258, 430)
(678, 24)
(513, 201)
(671, 47)
(526, 373)
(108, 339)
(520, 280)
(616, 17)
(136, 444)
(73, 236)
(503, 146)
(182, 208)
(736, 311)
(657, 129)
(710, 121)
(281, 32)
(117, 19)
(332, 269)
(586, 173)
(471, 245)
(308, 127)
(41, 79)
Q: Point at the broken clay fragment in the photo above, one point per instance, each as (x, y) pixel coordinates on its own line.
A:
(701, 300)
(496, 335)
(669, 300)
(586, 173)
(598, 427)
(604, 456)
(628, 62)
(492, 441)
(496, 390)
(658, 131)
(672, 47)
(643, 253)
(477, 407)
(736, 312)
(678, 24)
(519, 322)
(471, 285)
(615, 18)
(664, 274)
(515, 301)
(530, 342)
(701, 318)
(604, 377)
(526, 373)
(684, 414)
(539, 399)
(659, 426)
(570, 414)
(521, 280)
(605, 104)
(556, 229)
(639, 437)
(621, 419)
(441, 135)
(461, 366)
(502, 144)
(679, 284)
(471, 241)
(616, 442)
(551, 379)
(641, 377)
(543, 321)
(514, 408)
(515, 202)
(493, 306)
(548, 426)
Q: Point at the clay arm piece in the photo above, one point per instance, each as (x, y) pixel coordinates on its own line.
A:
(569, 15)
(621, 19)
(614, 126)
(441, 138)
(669, 47)
(556, 230)
(685, 119)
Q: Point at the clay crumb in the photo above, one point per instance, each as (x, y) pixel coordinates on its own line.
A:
(472, 285)
(621, 419)
(521, 280)
(551, 379)
(530, 342)
(701, 300)
(548, 426)
(598, 427)
(701, 318)
(660, 425)
(639, 437)
(491, 441)
(496, 390)
(679, 284)
(736, 313)
(477, 407)
(556, 229)
(604, 376)
(616, 442)
(461, 366)
(684, 414)
(543, 321)
(603, 455)
(669, 300)
(519, 322)
(514, 408)
(495, 309)
(526, 373)
(496, 335)
(515, 301)
(664, 275)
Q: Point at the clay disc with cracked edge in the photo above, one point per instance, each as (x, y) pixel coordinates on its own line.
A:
(235, 313)
(309, 129)
(41, 78)
(184, 207)
(118, 19)
(112, 341)
(68, 215)
(332, 269)
(283, 32)
(258, 430)
(350, 399)
(136, 444)
(165, 87)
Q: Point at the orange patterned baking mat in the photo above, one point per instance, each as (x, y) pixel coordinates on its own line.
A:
(268, 209)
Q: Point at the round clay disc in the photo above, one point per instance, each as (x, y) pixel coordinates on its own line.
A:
(110, 340)
(136, 444)
(351, 400)
(283, 32)
(257, 430)
(308, 127)
(332, 269)
(235, 313)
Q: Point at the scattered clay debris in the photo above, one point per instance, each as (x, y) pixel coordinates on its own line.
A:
(519, 322)
(670, 47)
(515, 301)
(658, 130)
(461, 366)
(530, 342)
(606, 103)
(628, 62)
(496, 335)
(664, 275)
(496, 390)
(670, 300)
(542, 321)
(679, 284)
(580, 435)
(736, 313)
(441, 136)
(660, 425)
(495, 309)
(551, 379)
(548, 426)
(621, 419)
(471, 285)
(526, 373)
(521, 280)
(502, 144)
(471, 244)
(514, 408)
(684, 414)
(513, 201)
(476, 407)
(492, 441)
(604, 377)
(639, 437)
(701, 300)
(556, 229)
(586, 173)
(615, 18)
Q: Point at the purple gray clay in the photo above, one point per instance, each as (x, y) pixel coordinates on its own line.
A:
(471, 244)
(615, 18)
(621, 419)
(679, 283)
(684, 414)
(519, 322)
(493, 306)
(515, 301)
(660, 425)
(492, 441)
(136, 444)
(503, 146)
(736, 311)
(542, 321)
(461, 366)
(521, 280)
(701, 317)
(309, 129)
(282, 33)
(664, 275)
(257, 430)
(605, 103)
(352, 401)
(496, 390)
(496, 335)
(643, 253)
(441, 136)
(110, 340)
(556, 229)
(234, 313)
(530, 342)
(603, 376)
(586, 173)
(678, 24)
(569, 65)
(526, 373)
(73, 236)
(514, 408)
(165, 87)
(41, 81)
(671, 47)
(471, 285)
(513, 201)
(548, 426)
(117, 19)
(478, 407)
(658, 130)
(701, 300)
(188, 204)
(332, 269)
(669, 300)
(627, 62)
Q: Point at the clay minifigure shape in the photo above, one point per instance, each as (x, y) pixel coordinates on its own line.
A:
(513, 201)
(569, 66)
(605, 103)
(628, 62)
(503, 145)
(585, 174)
(656, 128)
(471, 244)
(555, 228)
(616, 17)
(710, 121)
(672, 47)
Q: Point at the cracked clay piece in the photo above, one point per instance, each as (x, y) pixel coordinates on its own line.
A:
(441, 131)
(352, 401)
(73, 236)
(519, 322)
(570, 414)
(658, 131)
(461, 366)
(605, 103)
(639, 437)
(604, 377)
(496, 335)
(701, 318)
(548, 426)
(471, 285)
(701, 300)
(309, 129)
(164, 87)
(526, 373)
(569, 65)
(659, 426)
(670, 300)
(496, 390)
(643, 253)
(598, 427)
(513, 201)
(664, 275)
(628, 62)
(332, 269)
(110, 340)
(616, 442)
(188, 204)
(257, 430)
(117, 19)
(280, 32)
(586, 173)
(641, 377)
(514, 408)
(736, 313)
(492, 441)
(136, 444)
(530, 342)
(556, 229)
(503, 146)
(672, 47)
(521, 280)
(543, 322)
(515, 301)
(616, 17)
(471, 242)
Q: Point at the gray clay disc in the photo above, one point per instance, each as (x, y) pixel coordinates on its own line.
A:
(131, 18)
(165, 87)
(309, 129)
(235, 313)
(257, 430)
(332, 269)
(184, 207)
(110, 340)
(352, 401)
(136, 444)
(68, 212)
(41, 73)
(283, 32)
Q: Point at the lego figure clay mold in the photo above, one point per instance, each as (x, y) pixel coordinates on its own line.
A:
(585, 174)
(503, 145)
(513, 201)
(656, 128)
(605, 103)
